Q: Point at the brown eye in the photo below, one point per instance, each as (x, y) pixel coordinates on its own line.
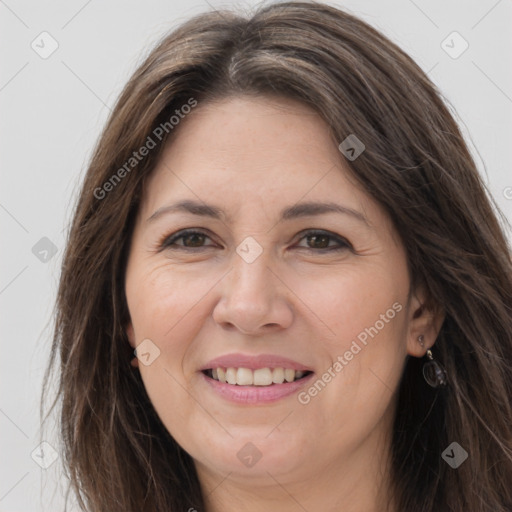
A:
(193, 240)
(321, 241)
(318, 241)
(188, 239)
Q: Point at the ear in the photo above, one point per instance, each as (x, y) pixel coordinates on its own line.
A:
(130, 333)
(425, 319)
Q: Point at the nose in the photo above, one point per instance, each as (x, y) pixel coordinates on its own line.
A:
(253, 299)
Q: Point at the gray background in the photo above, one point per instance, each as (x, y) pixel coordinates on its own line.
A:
(54, 108)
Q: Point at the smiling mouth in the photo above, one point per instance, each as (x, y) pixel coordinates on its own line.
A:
(258, 377)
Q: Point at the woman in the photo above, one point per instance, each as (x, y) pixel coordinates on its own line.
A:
(285, 286)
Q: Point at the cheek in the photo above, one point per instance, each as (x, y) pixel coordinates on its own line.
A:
(164, 308)
(363, 312)
(354, 301)
(162, 302)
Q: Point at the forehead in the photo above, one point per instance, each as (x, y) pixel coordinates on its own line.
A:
(240, 148)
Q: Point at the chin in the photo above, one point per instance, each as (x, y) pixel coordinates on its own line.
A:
(253, 453)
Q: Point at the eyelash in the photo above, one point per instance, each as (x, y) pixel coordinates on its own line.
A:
(168, 241)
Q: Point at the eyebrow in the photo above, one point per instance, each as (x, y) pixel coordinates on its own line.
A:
(306, 209)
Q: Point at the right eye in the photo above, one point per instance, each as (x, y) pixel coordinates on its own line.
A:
(191, 239)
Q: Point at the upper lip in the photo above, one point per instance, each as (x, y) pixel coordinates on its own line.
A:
(254, 362)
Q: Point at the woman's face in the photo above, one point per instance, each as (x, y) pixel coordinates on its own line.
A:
(270, 282)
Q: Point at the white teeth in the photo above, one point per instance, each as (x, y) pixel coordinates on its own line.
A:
(221, 375)
(244, 377)
(231, 375)
(262, 377)
(289, 375)
(258, 377)
(278, 376)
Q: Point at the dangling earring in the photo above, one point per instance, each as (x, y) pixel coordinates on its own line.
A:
(433, 371)
(135, 362)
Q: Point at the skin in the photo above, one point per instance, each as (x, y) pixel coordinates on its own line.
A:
(252, 157)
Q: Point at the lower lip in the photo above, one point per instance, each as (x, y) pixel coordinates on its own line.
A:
(255, 395)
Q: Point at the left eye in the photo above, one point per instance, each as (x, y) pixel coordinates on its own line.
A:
(322, 240)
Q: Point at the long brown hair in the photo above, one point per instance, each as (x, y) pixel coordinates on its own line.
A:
(118, 454)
